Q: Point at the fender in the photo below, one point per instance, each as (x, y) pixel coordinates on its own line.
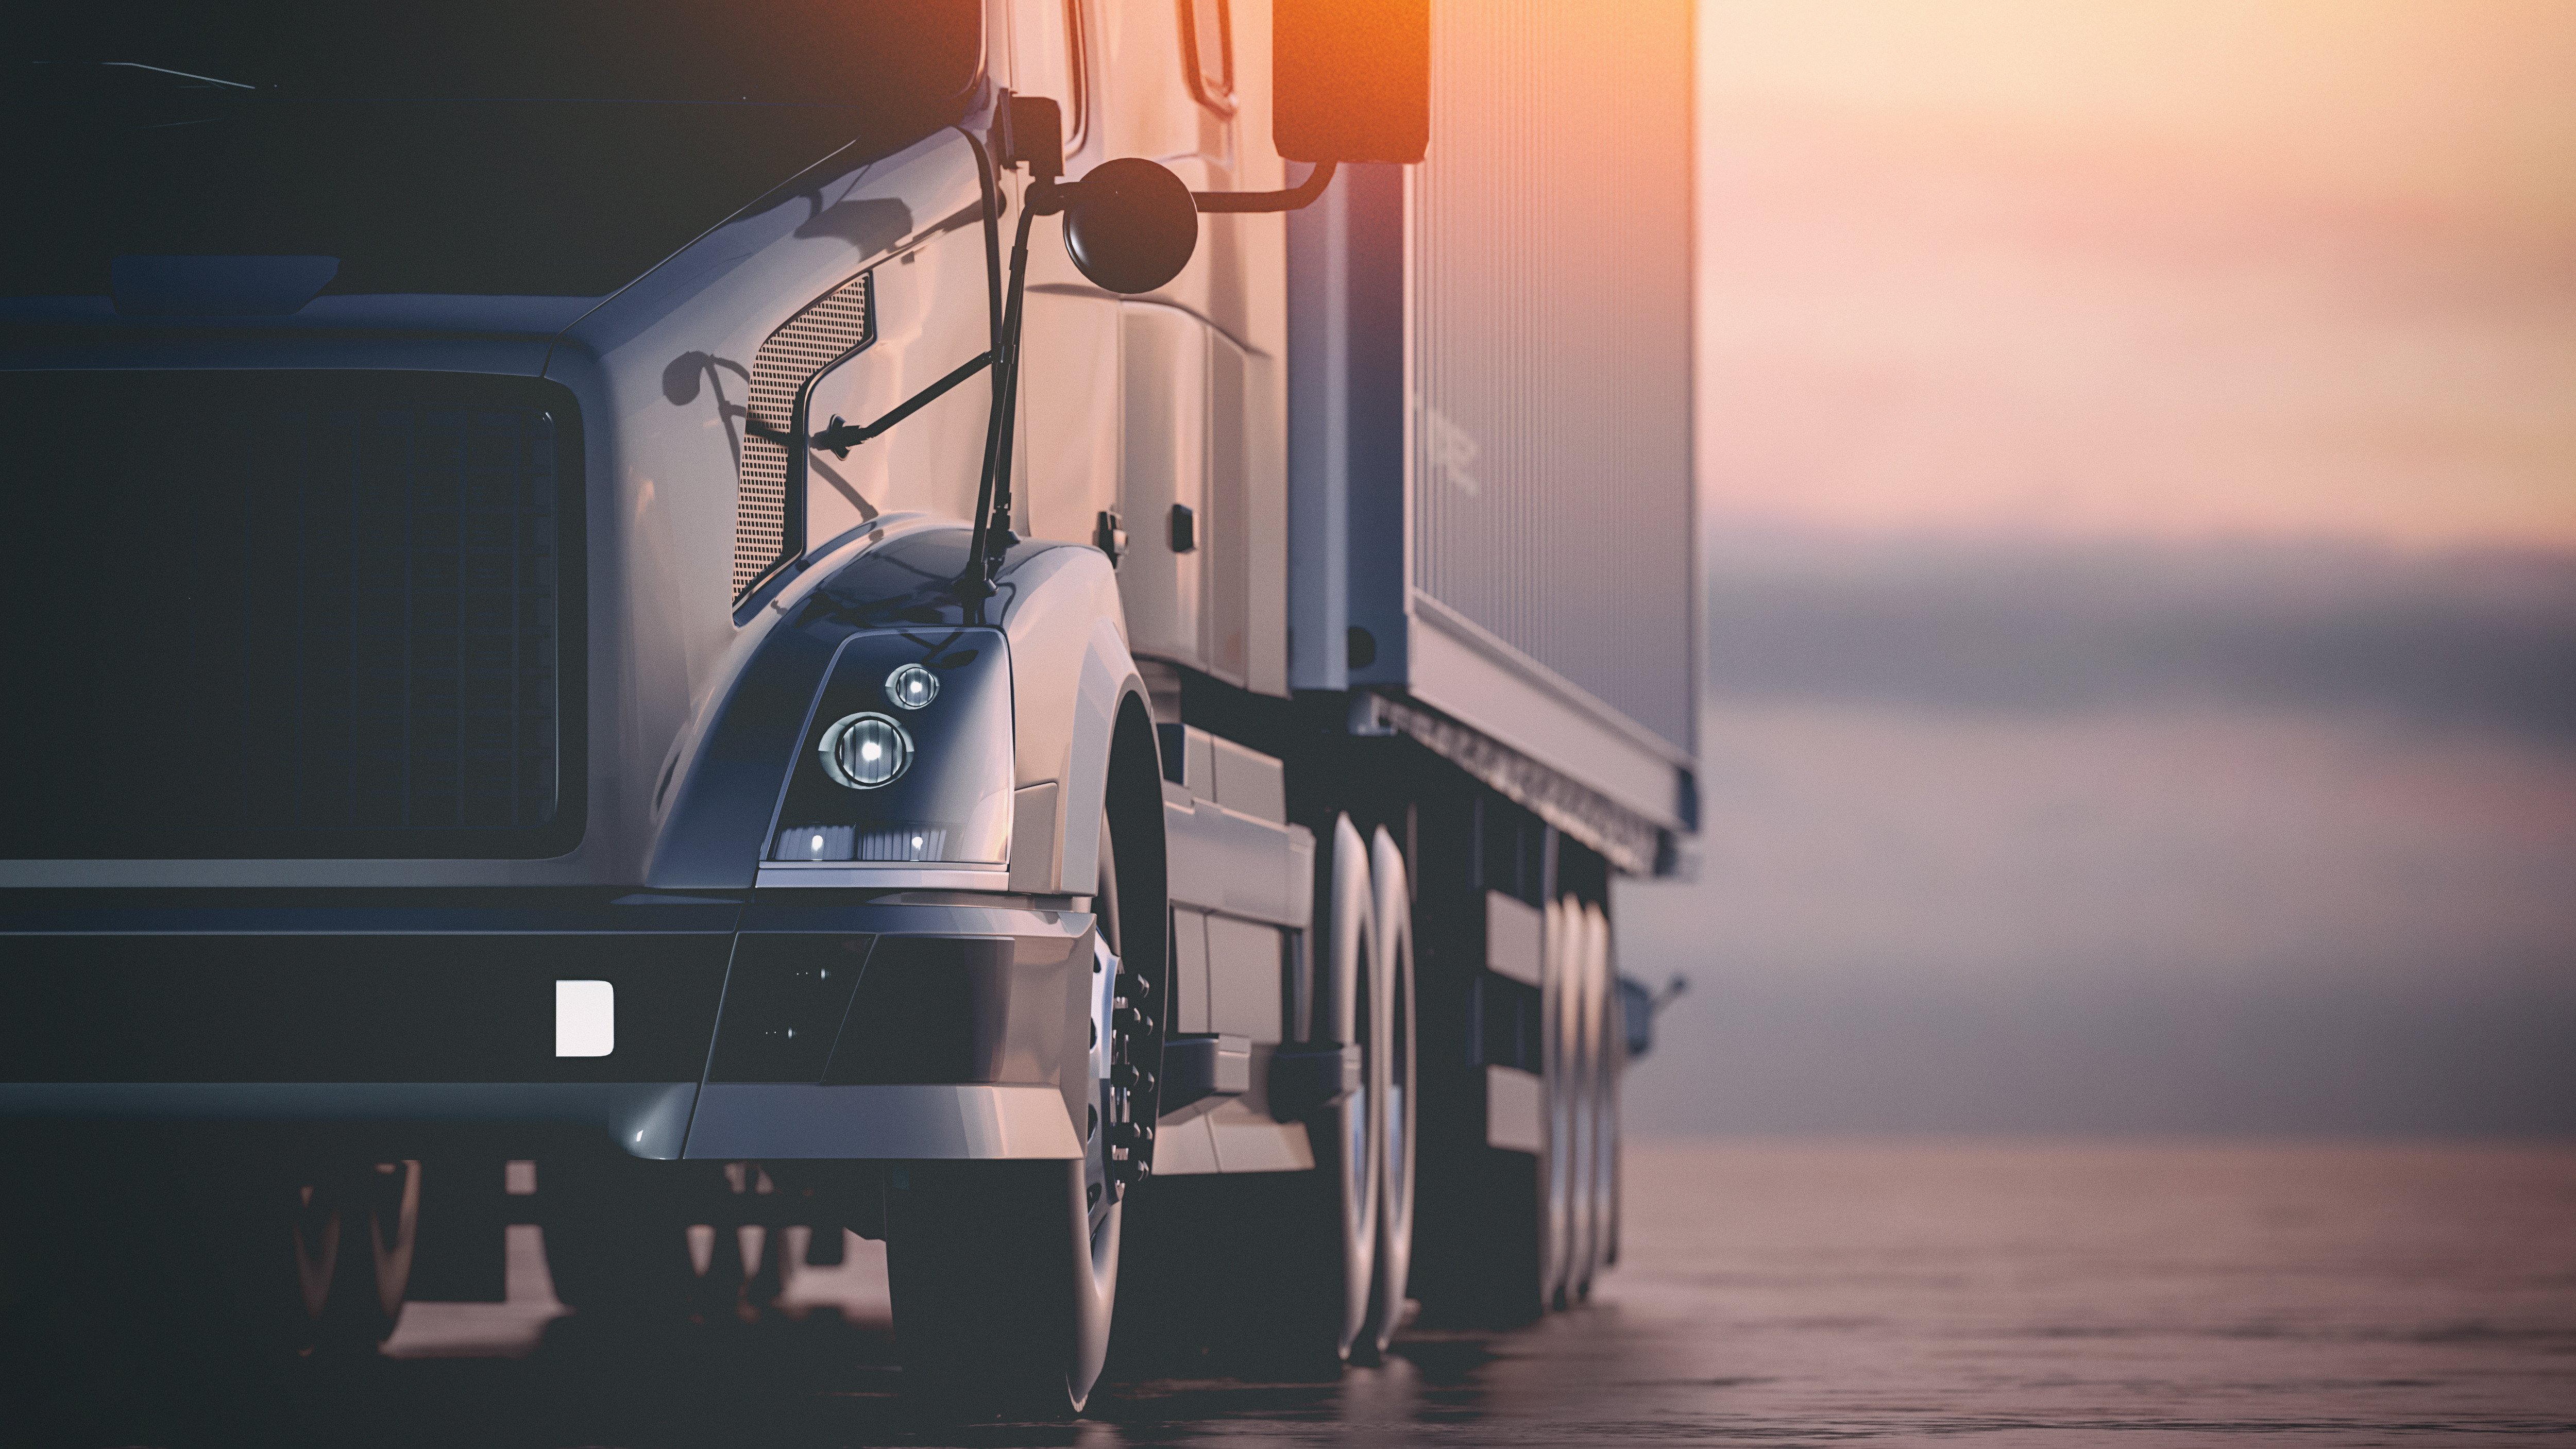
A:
(1070, 672)
(1058, 608)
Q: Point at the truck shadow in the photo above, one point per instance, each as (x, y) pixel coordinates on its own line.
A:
(816, 1379)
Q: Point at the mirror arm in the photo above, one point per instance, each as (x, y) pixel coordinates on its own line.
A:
(992, 533)
(1302, 194)
(974, 582)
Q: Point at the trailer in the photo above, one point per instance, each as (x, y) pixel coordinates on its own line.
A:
(1030, 628)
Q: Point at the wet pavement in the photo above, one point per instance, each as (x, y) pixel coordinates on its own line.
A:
(1779, 1292)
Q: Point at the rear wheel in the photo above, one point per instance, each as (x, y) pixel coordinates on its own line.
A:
(633, 1243)
(1614, 1067)
(1269, 1274)
(370, 1215)
(264, 1256)
(617, 1242)
(1326, 1248)
(282, 1258)
(1558, 1178)
(1511, 1208)
(1585, 1083)
(1392, 1045)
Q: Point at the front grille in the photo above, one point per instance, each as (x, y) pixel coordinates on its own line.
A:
(282, 615)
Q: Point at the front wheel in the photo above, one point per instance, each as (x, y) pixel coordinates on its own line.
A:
(1001, 1296)
(1004, 1275)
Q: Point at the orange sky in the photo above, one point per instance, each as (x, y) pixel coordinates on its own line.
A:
(2168, 267)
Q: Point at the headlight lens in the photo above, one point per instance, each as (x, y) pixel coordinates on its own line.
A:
(906, 757)
(912, 687)
(864, 751)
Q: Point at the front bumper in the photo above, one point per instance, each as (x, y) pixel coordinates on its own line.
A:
(854, 1028)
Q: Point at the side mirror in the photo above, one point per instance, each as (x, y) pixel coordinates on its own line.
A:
(1350, 79)
(1130, 225)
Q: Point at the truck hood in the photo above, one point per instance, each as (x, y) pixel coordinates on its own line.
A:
(469, 215)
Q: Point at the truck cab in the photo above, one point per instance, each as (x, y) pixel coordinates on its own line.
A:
(910, 619)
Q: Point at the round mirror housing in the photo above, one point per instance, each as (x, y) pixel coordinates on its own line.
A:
(1131, 225)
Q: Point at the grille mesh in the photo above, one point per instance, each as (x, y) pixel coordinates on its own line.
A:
(444, 675)
(804, 345)
(328, 619)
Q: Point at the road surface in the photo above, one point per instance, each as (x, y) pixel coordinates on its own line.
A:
(1781, 1293)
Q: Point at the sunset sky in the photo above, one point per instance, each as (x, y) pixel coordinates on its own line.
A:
(2138, 442)
(2183, 268)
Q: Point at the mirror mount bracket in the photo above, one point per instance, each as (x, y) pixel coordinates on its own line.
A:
(1303, 194)
(1029, 131)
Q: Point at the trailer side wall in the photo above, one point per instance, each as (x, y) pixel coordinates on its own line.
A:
(1536, 454)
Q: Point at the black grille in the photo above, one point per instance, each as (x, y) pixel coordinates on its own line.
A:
(290, 615)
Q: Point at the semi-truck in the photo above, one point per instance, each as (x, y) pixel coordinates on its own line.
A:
(1029, 628)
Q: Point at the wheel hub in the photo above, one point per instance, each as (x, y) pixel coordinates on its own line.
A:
(1120, 1145)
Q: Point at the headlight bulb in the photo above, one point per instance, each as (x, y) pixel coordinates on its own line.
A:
(912, 687)
(864, 751)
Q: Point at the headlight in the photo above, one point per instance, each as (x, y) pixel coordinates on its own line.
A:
(906, 756)
(863, 751)
(912, 687)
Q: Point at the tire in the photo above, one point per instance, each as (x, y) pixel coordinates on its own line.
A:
(1331, 1247)
(616, 1239)
(1614, 1071)
(985, 1262)
(1557, 1157)
(1590, 931)
(373, 1214)
(154, 1279)
(1392, 1054)
(304, 1257)
(1004, 1275)
(1270, 1275)
(275, 1257)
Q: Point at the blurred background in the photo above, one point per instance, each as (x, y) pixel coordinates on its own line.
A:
(2138, 463)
